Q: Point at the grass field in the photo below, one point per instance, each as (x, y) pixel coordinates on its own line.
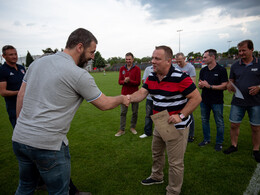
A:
(105, 164)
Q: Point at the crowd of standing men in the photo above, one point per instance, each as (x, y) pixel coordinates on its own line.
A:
(44, 108)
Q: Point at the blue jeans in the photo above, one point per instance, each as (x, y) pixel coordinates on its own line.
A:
(192, 126)
(218, 116)
(53, 166)
(148, 127)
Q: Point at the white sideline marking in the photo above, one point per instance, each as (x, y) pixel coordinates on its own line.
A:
(254, 185)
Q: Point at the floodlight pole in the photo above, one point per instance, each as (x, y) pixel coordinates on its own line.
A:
(179, 31)
(228, 46)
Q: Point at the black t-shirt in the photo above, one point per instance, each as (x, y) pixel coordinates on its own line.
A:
(13, 79)
(216, 76)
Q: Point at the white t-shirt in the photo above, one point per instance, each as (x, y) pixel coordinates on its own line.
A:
(148, 70)
(189, 69)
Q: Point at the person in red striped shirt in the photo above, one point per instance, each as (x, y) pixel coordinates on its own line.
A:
(174, 91)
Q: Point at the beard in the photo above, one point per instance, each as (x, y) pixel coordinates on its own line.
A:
(83, 61)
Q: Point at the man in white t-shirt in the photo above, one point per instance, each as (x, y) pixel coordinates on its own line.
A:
(148, 127)
(189, 69)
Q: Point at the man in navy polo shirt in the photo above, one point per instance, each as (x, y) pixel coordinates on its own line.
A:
(213, 80)
(11, 76)
(245, 74)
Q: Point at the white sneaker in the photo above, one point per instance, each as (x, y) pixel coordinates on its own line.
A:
(143, 136)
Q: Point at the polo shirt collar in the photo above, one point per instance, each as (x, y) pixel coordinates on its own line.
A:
(171, 70)
(255, 61)
(5, 64)
(131, 67)
(216, 67)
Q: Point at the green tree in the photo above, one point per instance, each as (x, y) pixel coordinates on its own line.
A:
(190, 55)
(115, 60)
(146, 59)
(49, 50)
(197, 55)
(99, 62)
(137, 60)
(232, 51)
(256, 53)
(224, 54)
(29, 59)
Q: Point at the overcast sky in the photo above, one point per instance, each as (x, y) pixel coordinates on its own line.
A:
(135, 26)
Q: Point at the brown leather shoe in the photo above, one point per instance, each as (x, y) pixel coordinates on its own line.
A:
(119, 133)
(133, 131)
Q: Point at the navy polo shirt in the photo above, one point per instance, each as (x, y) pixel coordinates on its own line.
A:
(216, 76)
(14, 79)
(246, 76)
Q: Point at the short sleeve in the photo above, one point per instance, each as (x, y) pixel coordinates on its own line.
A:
(87, 87)
(3, 76)
(186, 86)
(27, 74)
(146, 73)
(224, 77)
(192, 71)
(231, 74)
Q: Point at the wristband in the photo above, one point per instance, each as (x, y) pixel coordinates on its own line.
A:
(210, 87)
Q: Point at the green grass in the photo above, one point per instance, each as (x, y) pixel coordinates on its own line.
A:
(105, 164)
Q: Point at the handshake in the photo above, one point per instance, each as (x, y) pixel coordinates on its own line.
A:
(126, 100)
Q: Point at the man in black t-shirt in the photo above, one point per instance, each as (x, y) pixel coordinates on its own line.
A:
(213, 80)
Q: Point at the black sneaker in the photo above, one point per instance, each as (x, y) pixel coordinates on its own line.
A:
(190, 139)
(218, 147)
(149, 181)
(256, 155)
(204, 143)
(230, 150)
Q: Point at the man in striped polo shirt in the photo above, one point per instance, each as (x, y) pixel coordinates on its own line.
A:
(170, 90)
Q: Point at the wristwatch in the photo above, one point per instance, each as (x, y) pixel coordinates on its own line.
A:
(182, 116)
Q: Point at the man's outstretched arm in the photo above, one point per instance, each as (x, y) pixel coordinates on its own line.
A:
(107, 102)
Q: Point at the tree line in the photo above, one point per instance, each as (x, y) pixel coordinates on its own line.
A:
(100, 62)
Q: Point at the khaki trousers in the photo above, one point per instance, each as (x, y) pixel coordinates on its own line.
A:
(175, 150)
(123, 113)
